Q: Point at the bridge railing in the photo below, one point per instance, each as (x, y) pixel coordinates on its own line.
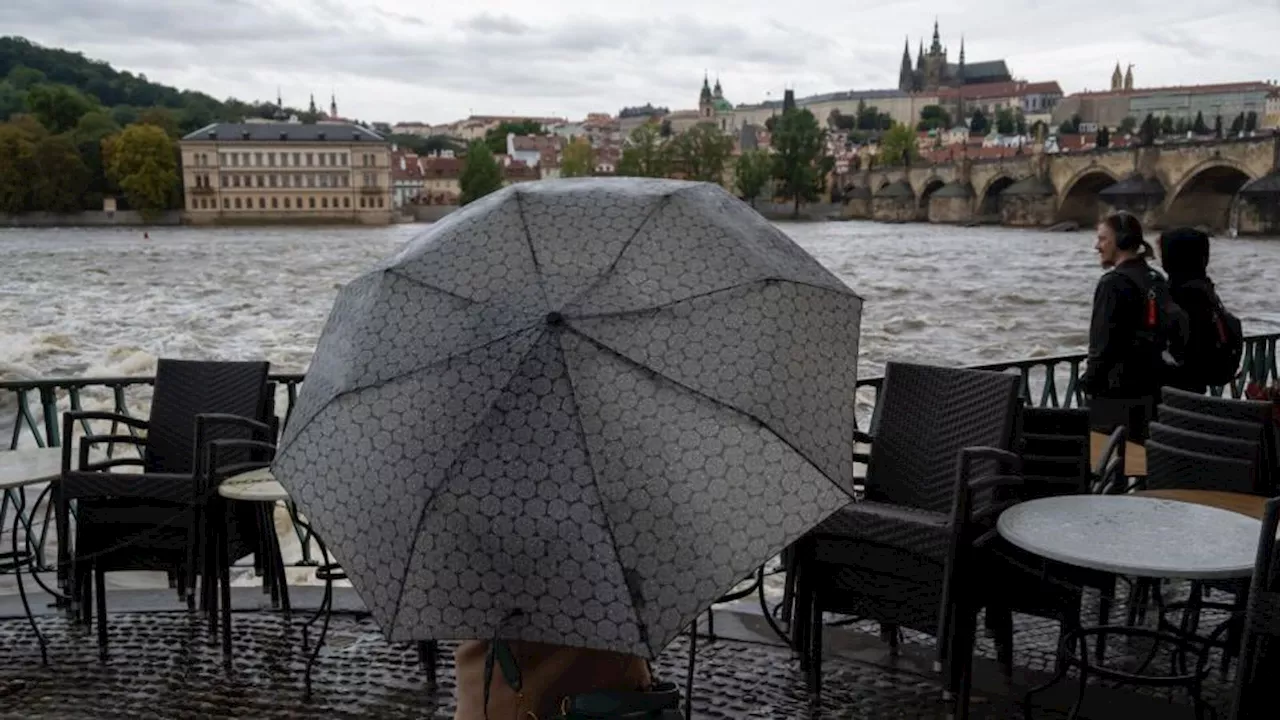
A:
(31, 408)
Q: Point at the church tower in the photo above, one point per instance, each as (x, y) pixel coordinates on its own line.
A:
(1117, 80)
(1128, 77)
(906, 79)
(706, 100)
(312, 108)
(960, 69)
(333, 106)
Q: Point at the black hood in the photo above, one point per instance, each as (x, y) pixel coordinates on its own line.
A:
(1184, 254)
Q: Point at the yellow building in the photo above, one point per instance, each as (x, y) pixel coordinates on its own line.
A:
(286, 172)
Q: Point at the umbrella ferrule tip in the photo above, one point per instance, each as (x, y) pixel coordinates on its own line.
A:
(555, 319)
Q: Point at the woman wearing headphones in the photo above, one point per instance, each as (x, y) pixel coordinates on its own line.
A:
(1135, 332)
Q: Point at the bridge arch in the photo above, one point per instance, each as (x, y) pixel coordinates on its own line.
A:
(1080, 201)
(930, 186)
(989, 198)
(1206, 194)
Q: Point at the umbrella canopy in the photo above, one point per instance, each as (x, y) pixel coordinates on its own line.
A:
(600, 403)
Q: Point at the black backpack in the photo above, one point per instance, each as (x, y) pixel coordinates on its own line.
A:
(1224, 347)
(1164, 328)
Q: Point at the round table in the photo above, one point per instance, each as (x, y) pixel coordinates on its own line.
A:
(253, 486)
(29, 466)
(1147, 537)
(18, 470)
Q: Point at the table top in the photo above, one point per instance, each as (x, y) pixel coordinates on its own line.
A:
(253, 486)
(1135, 455)
(1254, 506)
(29, 466)
(1133, 535)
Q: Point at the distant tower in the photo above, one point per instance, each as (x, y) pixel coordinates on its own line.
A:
(906, 79)
(1128, 77)
(960, 70)
(788, 100)
(936, 47)
(312, 108)
(706, 100)
(718, 92)
(1117, 80)
(333, 105)
(920, 58)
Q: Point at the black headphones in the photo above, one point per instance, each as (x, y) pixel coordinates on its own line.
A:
(1122, 225)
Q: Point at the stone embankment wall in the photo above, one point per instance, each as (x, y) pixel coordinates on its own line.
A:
(93, 218)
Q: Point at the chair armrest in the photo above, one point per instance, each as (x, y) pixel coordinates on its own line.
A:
(217, 473)
(88, 441)
(172, 487)
(204, 419)
(1114, 448)
(78, 415)
(1009, 460)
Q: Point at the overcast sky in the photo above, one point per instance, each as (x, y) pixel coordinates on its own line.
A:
(399, 60)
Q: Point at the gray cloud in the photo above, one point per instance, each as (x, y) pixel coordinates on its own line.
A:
(387, 60)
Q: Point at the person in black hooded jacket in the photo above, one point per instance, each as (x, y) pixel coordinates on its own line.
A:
(1132, 327)
(1184, 254)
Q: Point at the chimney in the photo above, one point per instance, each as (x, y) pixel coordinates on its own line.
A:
(213, 134)
(244, 135)
(284, 136)
(320, 135)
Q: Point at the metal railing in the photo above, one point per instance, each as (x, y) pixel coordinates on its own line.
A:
(1052, 381)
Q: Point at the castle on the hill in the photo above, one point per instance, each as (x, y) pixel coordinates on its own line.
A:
(932, 70)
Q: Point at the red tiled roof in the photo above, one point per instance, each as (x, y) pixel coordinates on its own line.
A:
(1189, 89)
(441, 168)
(1017, 88)
(536, 142)
(412, 169)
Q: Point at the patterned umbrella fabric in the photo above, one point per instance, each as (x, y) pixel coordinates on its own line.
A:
(596, 402)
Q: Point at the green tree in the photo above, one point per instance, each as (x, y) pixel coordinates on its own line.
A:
(646, 153)
(93, 128)
(57, 107)
(1128, 125)
(1197, 126)
(162, 118)
(496, 138)
(870, 117)
(141, 161)
(1182, 126)
(1147, 133)
(842, 121)
(978, 122)
(17, 167)
(1020, 123)
(799, 160)
(1006, 122)
(480, 173)
(24, 78)
(702, 152)
(1217, 126)
(751, 174)
(898, 146)
(578, 159)
(1166, 124)
(1104, 138)
(934, 117)
(60, 177)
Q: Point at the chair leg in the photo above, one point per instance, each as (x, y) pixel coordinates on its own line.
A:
(1106, 601)
(815, 651)
(688, 681)
(1000, 621)
(960, 662)
(427, 652)
(100, 588)
(222, 549)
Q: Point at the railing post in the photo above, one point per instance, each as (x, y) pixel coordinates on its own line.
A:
(49, 403)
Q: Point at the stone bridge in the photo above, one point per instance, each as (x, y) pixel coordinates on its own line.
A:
(1172, 184)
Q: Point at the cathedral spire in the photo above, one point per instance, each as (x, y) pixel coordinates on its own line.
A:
(920, 57)
(312, 108)
(936, 48)
(333, 104)
(906, 80)
(1116, 78)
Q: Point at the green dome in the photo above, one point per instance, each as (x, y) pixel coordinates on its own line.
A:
(722, 105)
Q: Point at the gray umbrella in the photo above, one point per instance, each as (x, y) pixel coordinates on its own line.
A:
(598, 402)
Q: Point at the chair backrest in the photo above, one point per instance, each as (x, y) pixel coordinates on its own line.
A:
(1260, 645)
(186, 388)
(1205, 443)
(1170, 468)
(927, 414)
(1208, 424)
(1224, 408)
(1055, 450)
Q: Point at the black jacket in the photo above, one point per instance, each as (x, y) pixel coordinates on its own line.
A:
(1184, 252)
(1125, 358)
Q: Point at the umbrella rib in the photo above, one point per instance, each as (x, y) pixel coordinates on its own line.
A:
(709, 398)
(436, 288)
(528, 238)
(662, 203)
(471, 433)
(613, 541)
(393, 378)
(673, 303)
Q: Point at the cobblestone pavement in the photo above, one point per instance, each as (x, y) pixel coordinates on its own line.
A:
(164, 665)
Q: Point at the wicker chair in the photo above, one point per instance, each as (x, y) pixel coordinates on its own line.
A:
(1260, 646)
(887, 558)
(149, 520)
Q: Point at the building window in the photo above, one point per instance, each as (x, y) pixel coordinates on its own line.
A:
(297, 181)
(284, 159)
(194, 204)
(237, 203)
(244, 159)
(311, 181)
(286, 203)
(262, 203)
(299, 204)
(295, 159)
(345, 180)
(272, 181)
(257, 159)
(275, 203)
(362, 202)
(343, 158)
(333, 158)
(346, 202)
(320, 159)
(310, 159)
(226, 203)
(311, 203)
(262, 181)
(271, 159)
(222, 158)
(379, 201)
(235, 160)
(324, 203)
(235, 180)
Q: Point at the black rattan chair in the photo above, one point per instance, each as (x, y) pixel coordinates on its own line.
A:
(886, 558)
(147, 520)
(1260, 647)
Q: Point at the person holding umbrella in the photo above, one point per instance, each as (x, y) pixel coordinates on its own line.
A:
(565, 420)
